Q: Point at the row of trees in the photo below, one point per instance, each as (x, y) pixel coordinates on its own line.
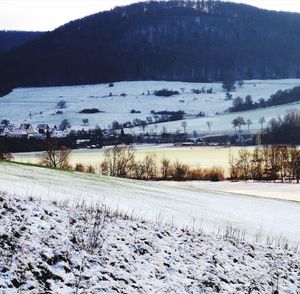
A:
(285, 130)
(240, 122)
(279, 98)
(121, 162)
(157, 117)
(269, 163)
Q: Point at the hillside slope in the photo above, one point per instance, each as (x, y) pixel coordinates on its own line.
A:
(53, 248)
(174, 40)
(13, 39)
(39, 105)
(209, 207)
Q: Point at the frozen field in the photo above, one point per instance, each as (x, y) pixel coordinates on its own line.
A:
(207, 205)
(41, 103)
(204, 157)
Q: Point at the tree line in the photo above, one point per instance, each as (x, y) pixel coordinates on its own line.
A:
(121, 162)
(279, 98)
(268, 163)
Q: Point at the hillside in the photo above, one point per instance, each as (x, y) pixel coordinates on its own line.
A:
(116, 104)
(263, 214)
(50, 247)
(176, 40)
(13, 39)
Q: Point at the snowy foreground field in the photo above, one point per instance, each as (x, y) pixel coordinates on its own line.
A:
(49, 247)
(264, 213)
(41, 103)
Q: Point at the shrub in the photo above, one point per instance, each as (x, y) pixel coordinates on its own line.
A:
(90, 110)
(79, 167)
(214, 174)
(134, 111)
(6, 155)
(165, 93)
(62, 104)
(180, 171)
(90, 169)
(64, 124)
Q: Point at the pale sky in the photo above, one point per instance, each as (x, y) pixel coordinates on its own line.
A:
(42, 15)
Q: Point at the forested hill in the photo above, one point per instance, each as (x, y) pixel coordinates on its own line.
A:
(174, 40)
(13, 39)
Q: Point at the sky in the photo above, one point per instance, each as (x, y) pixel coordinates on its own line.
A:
(44, 15)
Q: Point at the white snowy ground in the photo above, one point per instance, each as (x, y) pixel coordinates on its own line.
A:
(223, 123)
(54, 248)
(206, 205)
(17, 105)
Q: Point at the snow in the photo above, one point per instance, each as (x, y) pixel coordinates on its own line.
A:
(42, 103)
(55, 248)
(210, 206)
(223, 123)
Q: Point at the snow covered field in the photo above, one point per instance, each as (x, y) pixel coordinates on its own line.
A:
(55, 248)
(41, 103)
(211, 206)
(222, 123)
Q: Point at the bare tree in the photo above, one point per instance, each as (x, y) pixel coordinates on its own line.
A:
(55, 156)
(166, 168)
(118, 161)
(209, 125)
(150, 165)
(184, 126)
(262, 120)
(249, 122)
(5, 155)
(234, 123)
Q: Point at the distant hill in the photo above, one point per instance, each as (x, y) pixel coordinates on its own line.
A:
(13, 39)
(174, 40)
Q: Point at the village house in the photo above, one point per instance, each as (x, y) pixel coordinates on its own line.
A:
(5, 129)
(43, 128)
(27, 128)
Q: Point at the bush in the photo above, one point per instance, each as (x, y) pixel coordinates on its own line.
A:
(79, 167)
(90, 169)
(90, 110)
(62, 104)
(6, 156)
(64, 124)
(214, 174)
(134, 111)
(180, 171)
(165, 93)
